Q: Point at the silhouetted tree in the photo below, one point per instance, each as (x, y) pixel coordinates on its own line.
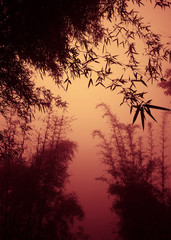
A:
(137, 179)
(33, 200)
(163, 165)
(61, 38)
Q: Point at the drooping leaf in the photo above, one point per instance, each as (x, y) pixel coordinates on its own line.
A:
(143, 82)
(67, 86)
(142, 117)
(149, 113)
(136, 113)
(135, 74)
(90, 82)
(131, 109)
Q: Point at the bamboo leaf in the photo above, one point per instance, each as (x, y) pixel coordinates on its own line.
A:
(136, 114)
(156, 107)
(135, 75)
(149, 101)
(66, 80)
(149, 113)
(90, 82)
(143, 82)
(102, 84)
(142, 117)
(131, 109)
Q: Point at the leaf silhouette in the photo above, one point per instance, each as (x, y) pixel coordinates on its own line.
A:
(142, 117)
(136, 113)
(149, 113)
(90, 82)
(143, 82)
(156, 107)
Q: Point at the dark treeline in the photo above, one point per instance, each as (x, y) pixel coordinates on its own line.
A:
(34, 172)
(137, 177)
(33, 175)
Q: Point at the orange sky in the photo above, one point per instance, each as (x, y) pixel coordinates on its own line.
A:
(86, 165)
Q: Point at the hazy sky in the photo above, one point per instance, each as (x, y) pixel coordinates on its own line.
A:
(86, 166)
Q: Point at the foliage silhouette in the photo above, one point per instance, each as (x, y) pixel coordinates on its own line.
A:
(167, 83)
(137, 178)
(61, 38)
(33, 200)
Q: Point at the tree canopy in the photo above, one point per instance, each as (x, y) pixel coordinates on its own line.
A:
(61, 38)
